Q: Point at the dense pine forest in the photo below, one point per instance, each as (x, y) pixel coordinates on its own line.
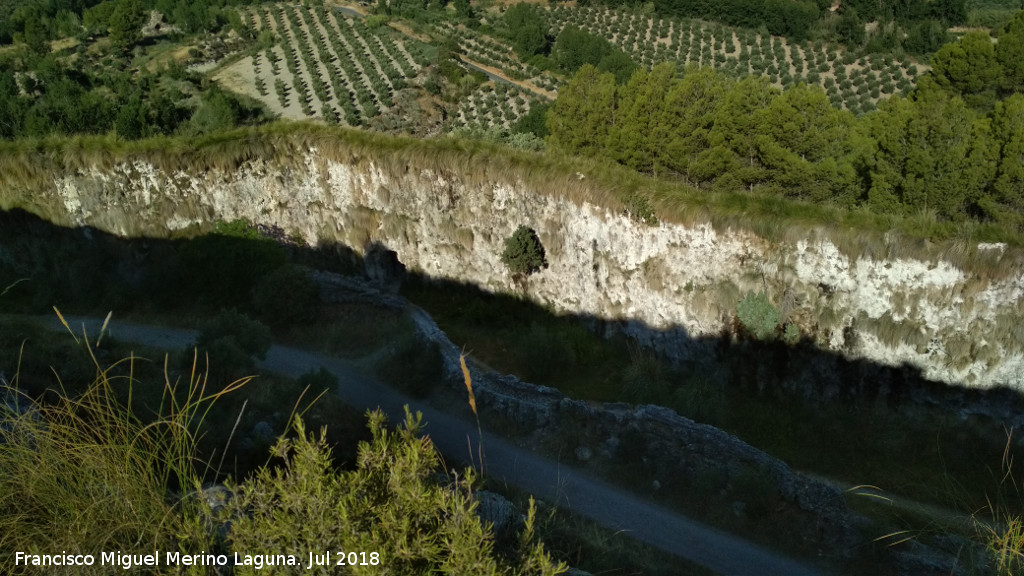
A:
(953, 148)
(949, 148)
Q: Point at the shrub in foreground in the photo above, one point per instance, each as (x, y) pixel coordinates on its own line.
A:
(390, 505)
(85, 476)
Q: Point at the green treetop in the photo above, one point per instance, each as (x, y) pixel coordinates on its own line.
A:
(969, 67)
(126, 23)
(1010, 54)
(580, 120)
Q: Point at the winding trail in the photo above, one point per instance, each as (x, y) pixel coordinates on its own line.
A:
(456, 438)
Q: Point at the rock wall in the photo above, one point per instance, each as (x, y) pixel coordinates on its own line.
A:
(671, 286)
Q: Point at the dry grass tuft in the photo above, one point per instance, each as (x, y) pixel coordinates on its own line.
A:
(469, 383)
(84, 475)
(1004, 533)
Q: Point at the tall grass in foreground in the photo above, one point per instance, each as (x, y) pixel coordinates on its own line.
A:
(84, 475)
(1004, 534)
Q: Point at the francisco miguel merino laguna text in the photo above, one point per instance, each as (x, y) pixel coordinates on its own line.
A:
(129, 561)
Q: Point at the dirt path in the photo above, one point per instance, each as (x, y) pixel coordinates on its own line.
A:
(499, 76)
(457, 439)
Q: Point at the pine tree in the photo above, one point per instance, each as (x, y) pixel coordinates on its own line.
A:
(126, 24)
(932, 154)
(1010, 54)
(635, 140)
(689, 114)
(968, 66)
(805, 145)
(35, 34)
(580, 120)
(737, 126)
(1008, 131)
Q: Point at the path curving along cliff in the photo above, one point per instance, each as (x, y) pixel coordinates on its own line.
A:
(553, 481)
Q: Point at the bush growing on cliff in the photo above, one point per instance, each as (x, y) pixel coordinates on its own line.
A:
(758, 315)
(524, 254)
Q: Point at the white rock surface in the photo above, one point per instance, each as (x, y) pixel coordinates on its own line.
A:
(665, 284)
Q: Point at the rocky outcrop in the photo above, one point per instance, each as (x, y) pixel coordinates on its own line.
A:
(673, 287)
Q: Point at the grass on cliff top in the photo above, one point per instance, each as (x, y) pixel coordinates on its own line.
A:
(28, 166)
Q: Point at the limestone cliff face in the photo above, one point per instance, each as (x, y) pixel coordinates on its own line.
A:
(669, 284)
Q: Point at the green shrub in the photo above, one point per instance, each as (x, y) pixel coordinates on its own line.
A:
(231, 340)
(523, 254)
(545, 352)
(414, 366)
(391, 505)
(646, 379)
(286, 297)
(319, 379)
(252, 337)
(640, 210)
(791, 334)
(701, 398)
(376, 20)
(758, 315)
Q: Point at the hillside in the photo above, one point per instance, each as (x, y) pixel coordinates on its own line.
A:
(948, 309)
(730, 256)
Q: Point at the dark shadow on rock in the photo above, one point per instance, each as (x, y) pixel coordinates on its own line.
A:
(85, 271)
(89, 271)
(383, 268)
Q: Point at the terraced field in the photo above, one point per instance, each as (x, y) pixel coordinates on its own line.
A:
(495, 52)
(326, 65)
(329, 66)
(852, 81)
(494, 105)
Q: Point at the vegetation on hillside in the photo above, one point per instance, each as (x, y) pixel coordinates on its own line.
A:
(951, 149)
(800, 20)
(92, 469)
(943, 161)
(854, 77)
(946, 152)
